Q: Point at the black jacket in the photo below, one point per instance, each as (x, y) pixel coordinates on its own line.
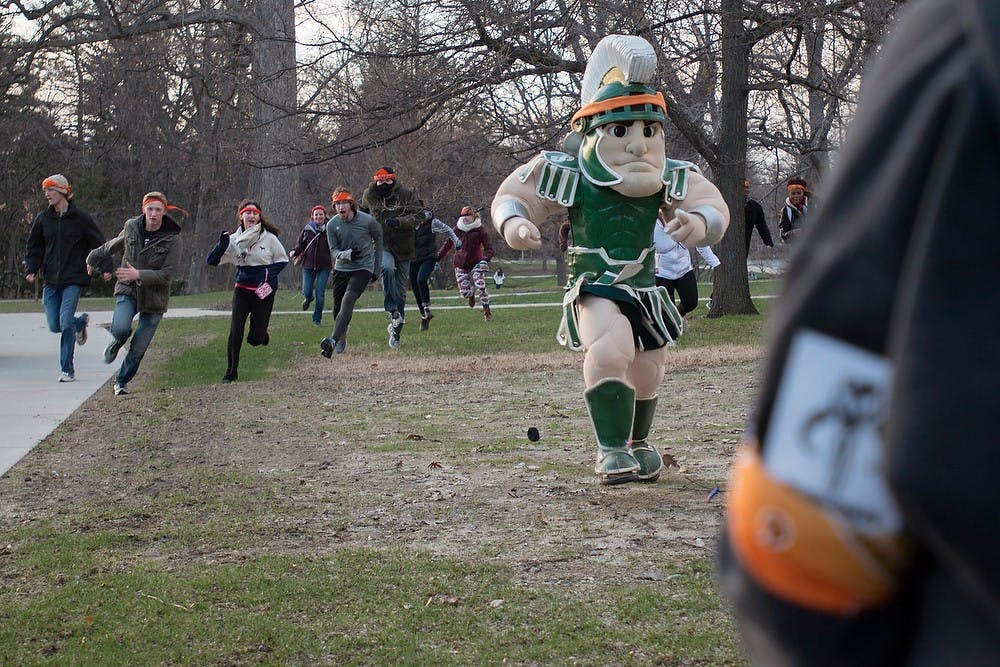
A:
(58, 246)
(755, 219)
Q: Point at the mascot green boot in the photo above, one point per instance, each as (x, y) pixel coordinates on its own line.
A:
(650, 461)
(611, 404)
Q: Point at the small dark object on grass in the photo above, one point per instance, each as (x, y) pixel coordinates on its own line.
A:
(713, 493)
(533, 434)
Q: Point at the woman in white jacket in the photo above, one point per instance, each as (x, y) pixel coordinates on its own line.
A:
(675, 271)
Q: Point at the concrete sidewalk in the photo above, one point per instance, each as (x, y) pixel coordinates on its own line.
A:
(32, 400)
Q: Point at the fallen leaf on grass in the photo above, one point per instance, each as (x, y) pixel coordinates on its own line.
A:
(434, 464)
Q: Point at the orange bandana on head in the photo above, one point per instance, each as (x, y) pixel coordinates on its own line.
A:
(250, 207)
(343, 195)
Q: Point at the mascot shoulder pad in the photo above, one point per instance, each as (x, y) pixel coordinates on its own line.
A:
(558, 176)
(675, 173)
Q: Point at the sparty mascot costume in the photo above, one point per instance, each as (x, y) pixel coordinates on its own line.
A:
(615, 183)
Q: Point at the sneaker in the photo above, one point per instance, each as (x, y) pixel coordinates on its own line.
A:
(340, 346)
(487, 314)
(120, 389)
(393, 330)
(111, 351)
(425, 319)
(81, 335)
(316, 324)
(229, 378)
(306, 303)
(326, 347)
(67, 377)
(472, 301)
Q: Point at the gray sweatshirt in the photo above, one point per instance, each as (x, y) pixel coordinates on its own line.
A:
(361, 233)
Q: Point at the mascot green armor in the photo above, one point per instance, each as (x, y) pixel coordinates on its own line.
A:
(615, 183)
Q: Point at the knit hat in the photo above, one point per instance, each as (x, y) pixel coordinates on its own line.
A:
(59, 183)
(384, 174)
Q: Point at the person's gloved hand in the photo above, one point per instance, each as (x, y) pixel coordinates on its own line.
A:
(224, 237)
(392, 222)
(458, 245)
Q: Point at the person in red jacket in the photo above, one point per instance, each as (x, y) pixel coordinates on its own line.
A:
(472, 259)
(313, 254)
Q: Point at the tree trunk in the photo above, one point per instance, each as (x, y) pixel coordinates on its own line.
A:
(731, 290)
(274, 178)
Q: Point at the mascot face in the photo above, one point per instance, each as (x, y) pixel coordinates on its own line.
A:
(634, 152)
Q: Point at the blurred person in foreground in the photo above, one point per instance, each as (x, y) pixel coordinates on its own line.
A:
(863, 518)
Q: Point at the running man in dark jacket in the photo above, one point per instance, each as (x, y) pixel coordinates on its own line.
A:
(60, 239)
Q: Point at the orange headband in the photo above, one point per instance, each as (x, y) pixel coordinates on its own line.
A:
(796, 186)
(148, 198)
(49, 183)
(250, 207)
(615, 102)
(341, 196)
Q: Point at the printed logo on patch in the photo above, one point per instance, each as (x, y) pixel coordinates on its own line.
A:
(824, 437)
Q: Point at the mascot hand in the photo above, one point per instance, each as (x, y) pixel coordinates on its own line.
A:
(687, 228)
(521, 234)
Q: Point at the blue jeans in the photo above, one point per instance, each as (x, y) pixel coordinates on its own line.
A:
(394, 275)
(315, 279)
(121, 327)
(60, 314)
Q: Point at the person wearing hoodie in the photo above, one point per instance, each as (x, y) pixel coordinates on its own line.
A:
(150, 246)
(398, 212)
(471, 259)
(313, 254)
(58, 243)
(259, 257)
(425, 261)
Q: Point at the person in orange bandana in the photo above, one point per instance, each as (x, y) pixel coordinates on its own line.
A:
(795, 209)
(60, 238)
(150, 245)
(259, 257)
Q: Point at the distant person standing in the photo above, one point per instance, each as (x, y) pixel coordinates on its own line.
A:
(355, 242)
(755, 219)
(313, 254)
(398, 211)
(150, 245)
(425, 261)
(795, 209)
(60, 238)
(259, 257)
(498, 278)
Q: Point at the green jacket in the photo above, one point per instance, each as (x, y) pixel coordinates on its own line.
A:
(158, 262)
(401, 204)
